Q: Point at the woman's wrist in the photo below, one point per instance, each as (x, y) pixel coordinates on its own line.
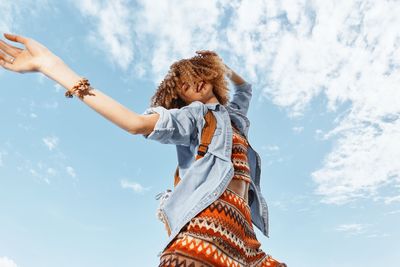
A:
(233, 76)
(56, 69)
(48, 63)
(228, 72)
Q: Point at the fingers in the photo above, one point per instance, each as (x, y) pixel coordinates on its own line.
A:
(5, 64)
(6, 58)
(9, 49)
(185, 86)
(200, 86)
(206, 52)
(16, 38)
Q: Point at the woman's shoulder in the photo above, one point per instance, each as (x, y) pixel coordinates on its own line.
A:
(196, 108)
(196, 105)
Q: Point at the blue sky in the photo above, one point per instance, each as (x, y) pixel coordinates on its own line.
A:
(77, 190)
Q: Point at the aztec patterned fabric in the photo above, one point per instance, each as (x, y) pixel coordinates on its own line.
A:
(239, 157)
(222, 234)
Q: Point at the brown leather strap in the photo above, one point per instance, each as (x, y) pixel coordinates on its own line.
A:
(177, 179)
(206, 137)
(206, 134)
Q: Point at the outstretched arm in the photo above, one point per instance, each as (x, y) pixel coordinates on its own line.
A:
(103, 104)
(37, 58)
(173, 126)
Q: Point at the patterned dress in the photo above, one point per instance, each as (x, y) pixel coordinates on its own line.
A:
(222, 234)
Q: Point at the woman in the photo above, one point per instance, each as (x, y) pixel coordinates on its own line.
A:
(210, 213)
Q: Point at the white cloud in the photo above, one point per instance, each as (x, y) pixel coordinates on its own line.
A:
(47, 105)
(392, 212)
(138, 188)
(43, 169)
(12, 10)
(176, 29)
(51, 142)
(378, 235)
(272, 154)
(352, 228)
(279, 204)
(53, 104)
(271, 147)
(340, 51)
(51, 171)
(113, 33)
(37, 174)
(40, 170)
(298, 129)
(71, 171)
(389, 200)
(2, 154)
(6, 262)
(161, 32)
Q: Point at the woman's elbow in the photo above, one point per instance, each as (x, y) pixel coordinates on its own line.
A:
(144, 124)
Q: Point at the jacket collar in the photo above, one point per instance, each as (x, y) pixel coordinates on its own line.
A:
(213, 106)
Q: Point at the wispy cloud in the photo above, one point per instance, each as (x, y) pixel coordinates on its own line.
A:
(7, 262)
(378, 235)
(389, 200)
(298, 129)
(352, 228)
(340, 51)
(45, 104)
(12, 10)
(71, 171)
(392, 212)
(279, 204)
(365, 230)
(45, 169)
(51, 142)
(296, 202)
(160, 32)
(41, 171)
(270, 147)
(112, 30)
(2, 155)
(136, 187)
(272, 154)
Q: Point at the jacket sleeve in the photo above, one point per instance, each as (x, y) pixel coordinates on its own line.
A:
(241, 97)
(175, 126)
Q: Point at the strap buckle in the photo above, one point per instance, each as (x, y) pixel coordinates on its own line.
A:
(202, 153)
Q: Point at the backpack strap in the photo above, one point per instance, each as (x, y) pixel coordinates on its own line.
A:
(206, 137)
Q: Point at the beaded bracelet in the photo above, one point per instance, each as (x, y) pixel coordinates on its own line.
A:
(82, 88)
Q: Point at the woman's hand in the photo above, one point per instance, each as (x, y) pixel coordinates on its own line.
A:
(33, 58)
(206, 52)
(227, 70)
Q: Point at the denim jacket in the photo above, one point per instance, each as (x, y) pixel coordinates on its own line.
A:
(205, 179)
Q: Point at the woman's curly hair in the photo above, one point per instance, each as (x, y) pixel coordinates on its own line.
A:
(207, 66)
